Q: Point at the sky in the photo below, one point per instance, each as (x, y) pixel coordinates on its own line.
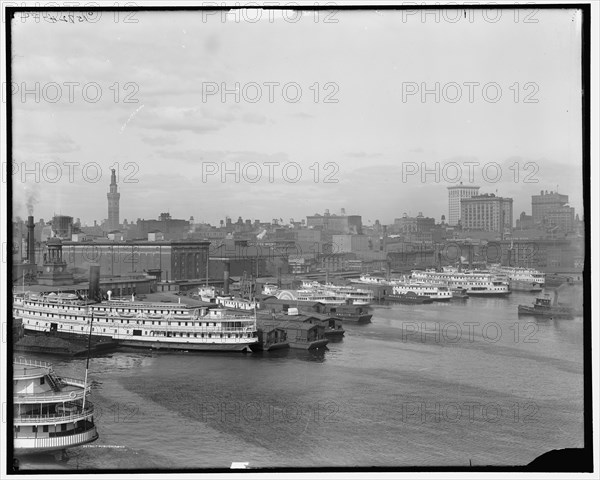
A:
(330, 112)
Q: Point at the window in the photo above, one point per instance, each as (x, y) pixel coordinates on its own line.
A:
(45, 428)
(42, 380)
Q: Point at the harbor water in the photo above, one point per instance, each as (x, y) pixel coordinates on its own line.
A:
(444, 384)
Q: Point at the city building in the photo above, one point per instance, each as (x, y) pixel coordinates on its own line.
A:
(172, 229)
(416, 224)
(524, 222)
(351, 243)
(455, 194)
(544, 202)
(113, 203)
(176, 260)
(487, 213)
(62, 226)
(335, 223)
(561, 217)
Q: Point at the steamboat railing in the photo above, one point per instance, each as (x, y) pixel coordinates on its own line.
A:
(55, 417)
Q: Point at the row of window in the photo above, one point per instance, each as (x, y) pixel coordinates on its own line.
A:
(128, 310)
(181, 334)
(185, 324)
(195, 335)
(34, 428)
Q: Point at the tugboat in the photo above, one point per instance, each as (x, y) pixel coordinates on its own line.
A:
(50, 412)
(546, 307)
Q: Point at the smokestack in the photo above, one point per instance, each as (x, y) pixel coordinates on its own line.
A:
(30, 240)
(94, 290)
(226, 278)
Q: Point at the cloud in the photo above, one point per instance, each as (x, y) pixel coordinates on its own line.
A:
(254, 118)
(302, 115)
(159, 140)
(44, 144)
(363, 155)
(177, 119)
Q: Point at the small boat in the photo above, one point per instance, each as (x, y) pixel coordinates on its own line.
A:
(546, 307)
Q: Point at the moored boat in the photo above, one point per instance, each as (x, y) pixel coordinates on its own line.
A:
(436, 293)
(409, 298)
(50, 412)
(521, 279)
(134, 323)
(476, 283)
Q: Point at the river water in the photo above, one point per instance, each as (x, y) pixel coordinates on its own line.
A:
(422, 385)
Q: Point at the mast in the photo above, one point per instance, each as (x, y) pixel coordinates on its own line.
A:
(87, 363)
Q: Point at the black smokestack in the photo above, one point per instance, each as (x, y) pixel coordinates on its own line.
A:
(30, 240)
(94, 291)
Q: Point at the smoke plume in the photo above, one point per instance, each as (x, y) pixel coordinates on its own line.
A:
(31, 199)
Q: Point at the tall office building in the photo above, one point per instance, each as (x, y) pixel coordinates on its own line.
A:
(113, 203)
(487, 213)
(455, 194)
(547, 205)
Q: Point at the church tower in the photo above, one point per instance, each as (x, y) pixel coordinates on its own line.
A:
(113, 203)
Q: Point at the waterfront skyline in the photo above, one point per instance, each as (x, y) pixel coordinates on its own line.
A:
(375, 133)
(349, 301)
